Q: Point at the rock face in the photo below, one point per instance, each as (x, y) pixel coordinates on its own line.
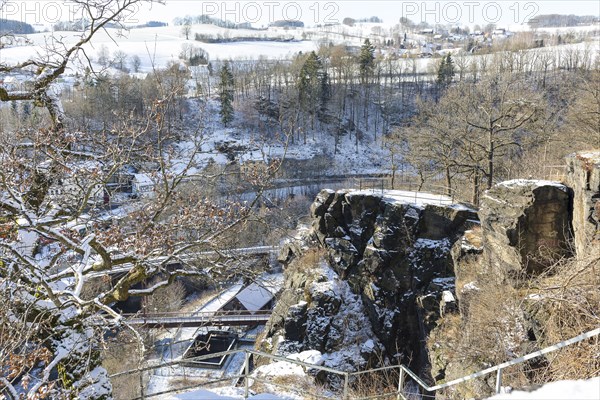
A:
(395, 256)
(526, 226)
(318, 312)
(583, 176)
(384, 270)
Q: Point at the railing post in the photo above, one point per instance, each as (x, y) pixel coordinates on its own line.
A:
(498, 380)
(246, 374)
(142, 386)
(400, 384)
(346, 381)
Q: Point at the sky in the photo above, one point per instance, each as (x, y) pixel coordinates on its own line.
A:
(313, 12)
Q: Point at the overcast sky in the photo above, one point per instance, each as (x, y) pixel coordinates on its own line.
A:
(311, 12)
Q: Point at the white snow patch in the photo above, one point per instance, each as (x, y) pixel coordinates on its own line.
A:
(533, 183)
(470, 286)
(560, 390)
(309, 357)
(448, 297)
(419, 199)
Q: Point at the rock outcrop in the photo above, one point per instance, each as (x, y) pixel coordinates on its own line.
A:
(394, 255)
(376, 272)
(583, 176)
(526, 227)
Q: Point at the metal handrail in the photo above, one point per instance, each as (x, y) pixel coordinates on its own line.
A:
(402, 368)
(498, 368)
(175, 314)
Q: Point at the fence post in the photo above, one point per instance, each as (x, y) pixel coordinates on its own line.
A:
(498, 380)
(346, 381)
(246, 374)
(142, 386)
(400, 384)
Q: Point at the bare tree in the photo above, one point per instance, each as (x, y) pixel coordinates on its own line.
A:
(474, 126)
(59, 233)
(186, 30)
(584, 113)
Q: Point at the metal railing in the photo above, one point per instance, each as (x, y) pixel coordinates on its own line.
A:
(498, 368)
(415, 193)
(347, 377)
(203, 318)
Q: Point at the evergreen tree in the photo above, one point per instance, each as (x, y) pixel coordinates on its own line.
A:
(226, 94)
(366, 60)
(312, 86)
(446, 71)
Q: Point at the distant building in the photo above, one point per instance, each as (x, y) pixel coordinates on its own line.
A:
(74, 182)
(255, 297)
(142, 185)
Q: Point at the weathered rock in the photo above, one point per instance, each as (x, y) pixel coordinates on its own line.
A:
(526, 227)
(295, 321)
(583, 176)
(390, 251)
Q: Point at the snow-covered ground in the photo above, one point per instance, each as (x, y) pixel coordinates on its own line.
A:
(561, 390)
(226, 393)
(157, 46)
(369, 157)
(161, 45)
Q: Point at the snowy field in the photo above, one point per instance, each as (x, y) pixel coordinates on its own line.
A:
(157, 46)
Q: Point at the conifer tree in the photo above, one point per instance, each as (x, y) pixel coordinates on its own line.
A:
(446, 71)
(366, 60)
(226, 94)
(312, 86)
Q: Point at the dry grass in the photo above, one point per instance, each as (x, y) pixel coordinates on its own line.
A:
(383, 384)
(566, 304)
(500, 323)
(474, 237)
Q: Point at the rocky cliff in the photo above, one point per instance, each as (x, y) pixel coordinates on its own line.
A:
(525, 280)
(393, 253)
(377, 275)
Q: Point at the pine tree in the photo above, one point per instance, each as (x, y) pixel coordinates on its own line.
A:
(366, 60)
(226, 94)
(312, 86)
(366, 64)
(446, 71)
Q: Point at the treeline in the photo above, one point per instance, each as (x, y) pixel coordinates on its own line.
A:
(219, 38)
(15, 27)
(351, 21)
(286, 23)
(82, 24)
(500, 125)
(558, 20)
(436, 120)
(208, 20)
